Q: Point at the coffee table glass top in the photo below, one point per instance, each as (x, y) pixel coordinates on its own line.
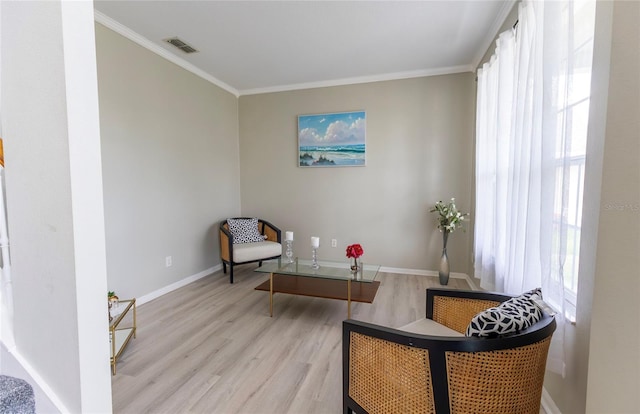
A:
(327, 270)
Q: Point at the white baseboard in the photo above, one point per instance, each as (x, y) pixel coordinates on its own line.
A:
(548, 405)
(177, 285)
(190, 279)
(420, 272)
(15, 365)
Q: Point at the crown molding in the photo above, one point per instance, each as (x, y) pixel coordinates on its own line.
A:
(502, 15)
(155, 48)
(148, 44)
(361, 79)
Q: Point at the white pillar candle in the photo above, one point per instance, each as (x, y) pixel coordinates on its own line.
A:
(288, 235)
(315, 242)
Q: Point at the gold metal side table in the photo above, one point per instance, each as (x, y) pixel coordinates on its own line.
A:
(119, 336)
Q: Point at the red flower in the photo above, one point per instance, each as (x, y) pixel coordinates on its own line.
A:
(355, 251)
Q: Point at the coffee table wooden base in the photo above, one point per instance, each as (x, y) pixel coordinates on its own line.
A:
(349, 290)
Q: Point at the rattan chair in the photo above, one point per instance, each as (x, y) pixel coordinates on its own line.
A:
(392, 371)
(271, 248)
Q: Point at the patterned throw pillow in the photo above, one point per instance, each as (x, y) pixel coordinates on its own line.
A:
(245, 230)
(511, 316)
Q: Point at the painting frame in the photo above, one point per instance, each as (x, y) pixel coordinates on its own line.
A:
(334, 139)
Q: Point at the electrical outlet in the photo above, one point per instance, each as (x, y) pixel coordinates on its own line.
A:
(334, 243)
(168, 261)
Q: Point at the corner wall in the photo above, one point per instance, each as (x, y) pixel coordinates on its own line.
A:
(614, 363)
(54, 200)
(419, 150)
(170, 166)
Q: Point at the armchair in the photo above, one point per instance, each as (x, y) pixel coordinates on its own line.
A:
(395, 371)
(269, 246)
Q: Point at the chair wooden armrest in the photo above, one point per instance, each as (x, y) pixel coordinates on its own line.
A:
(226, 243)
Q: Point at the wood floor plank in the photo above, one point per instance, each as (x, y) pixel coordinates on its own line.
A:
(211, 347)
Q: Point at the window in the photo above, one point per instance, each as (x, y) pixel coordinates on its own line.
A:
(571, 103)
(531, 134)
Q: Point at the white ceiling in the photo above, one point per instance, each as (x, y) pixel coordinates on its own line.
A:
(263, 46)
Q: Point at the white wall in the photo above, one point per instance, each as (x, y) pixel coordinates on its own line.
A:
(419, 151)
(614, 362)
(54, 200)
(170, 166)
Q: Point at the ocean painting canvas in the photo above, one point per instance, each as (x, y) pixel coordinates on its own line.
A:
(332, 140)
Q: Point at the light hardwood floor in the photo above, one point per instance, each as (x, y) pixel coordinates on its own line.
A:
(211, 347)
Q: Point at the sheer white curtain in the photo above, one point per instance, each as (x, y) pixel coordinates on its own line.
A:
(533, 97)
(493, 128)
(509, 164)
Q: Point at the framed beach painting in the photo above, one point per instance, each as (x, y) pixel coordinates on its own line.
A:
(332, 140)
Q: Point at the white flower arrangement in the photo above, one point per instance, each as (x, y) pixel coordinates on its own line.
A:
(449, 218)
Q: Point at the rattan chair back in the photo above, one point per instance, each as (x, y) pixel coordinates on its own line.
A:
(391, 371)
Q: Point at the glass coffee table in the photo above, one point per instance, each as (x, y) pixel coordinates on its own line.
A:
(333, 280)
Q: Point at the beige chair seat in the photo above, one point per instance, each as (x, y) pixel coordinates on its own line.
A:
(426, 326)
(250, 252)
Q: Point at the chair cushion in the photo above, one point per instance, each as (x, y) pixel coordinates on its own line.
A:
(249, 252)
(427, 326)
(245, 230)
(511, 316)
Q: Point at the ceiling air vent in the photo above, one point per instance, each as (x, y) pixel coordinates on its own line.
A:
(180, 45)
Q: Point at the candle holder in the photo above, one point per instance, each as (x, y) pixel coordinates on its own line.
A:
(314, 258)
(289, 252)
